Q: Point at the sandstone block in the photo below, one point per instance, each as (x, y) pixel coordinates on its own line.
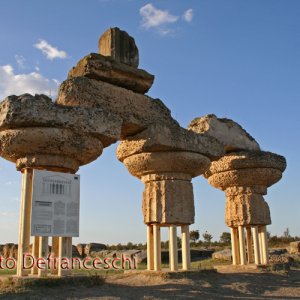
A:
(246, 209)
(39, 111)
(229, 133)
(223, 255)
(99, 67)
(294, 247)
(119, 45)
(245, 177)
(137, 111)
(168, 202)
(247, 160)
(190, 163)
(160, 137)
(61, 143)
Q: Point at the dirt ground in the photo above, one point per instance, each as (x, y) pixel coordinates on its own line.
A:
(193, 285)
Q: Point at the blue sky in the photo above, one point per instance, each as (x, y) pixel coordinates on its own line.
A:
(237, 59)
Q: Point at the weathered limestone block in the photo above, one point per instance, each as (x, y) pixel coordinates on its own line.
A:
(228, 132)
(99, 67)
(246, 206)
(119, 45)
(36, 133)
(190, 163)
(168, 200)
(294, 248)
(39, 110)
(245, 176)
(160, 137)
(37, 145)
(247, 160)
(137, 111)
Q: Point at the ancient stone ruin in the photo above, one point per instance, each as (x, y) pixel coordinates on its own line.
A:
(103, 101)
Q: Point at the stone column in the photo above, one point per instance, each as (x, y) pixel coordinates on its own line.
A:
(168, 198)
(245, 176)
(25, 219)
(36, 133)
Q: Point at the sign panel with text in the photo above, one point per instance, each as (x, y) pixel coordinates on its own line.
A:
(55, 204)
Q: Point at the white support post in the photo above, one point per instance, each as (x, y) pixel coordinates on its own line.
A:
(63, 254)
(257, 259)
(233, 247)
(157, 247)
(55, 255)
(265, 244)
(185, 249)
(25, 220)
(43, 253)
(242, 245)
(35, 253)
(173, 251)
(150, 254)
(249, 245)
(261, 250)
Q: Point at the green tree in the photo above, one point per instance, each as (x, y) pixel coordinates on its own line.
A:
(194, 235)
(129, 246)
(207, 237)
(225, 238)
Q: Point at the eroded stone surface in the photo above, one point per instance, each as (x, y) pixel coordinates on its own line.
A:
(228, 132)
(34, 141)
(160, 137)
(246, 208)
(99, 67)
(245, 176)
(247, 160)
(137, 111)
(190, 163)
(119, 45)
(39, 111)
(168, 202)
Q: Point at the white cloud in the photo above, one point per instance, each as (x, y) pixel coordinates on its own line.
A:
(161, 20)
(50, 51)
(154, 17)
(17, 84)
(188, 15)
(20, 61)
